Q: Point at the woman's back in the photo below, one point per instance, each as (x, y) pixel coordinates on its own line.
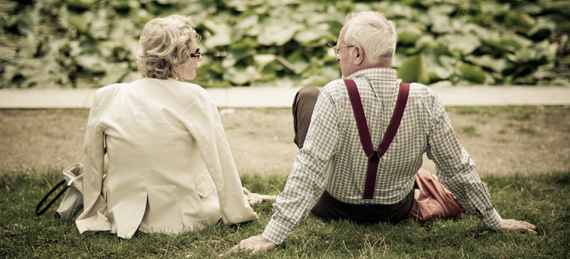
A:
(163, 142)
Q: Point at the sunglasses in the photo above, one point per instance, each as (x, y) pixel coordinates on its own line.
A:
(195, 54)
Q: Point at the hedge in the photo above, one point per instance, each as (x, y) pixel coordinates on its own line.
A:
(90, 43)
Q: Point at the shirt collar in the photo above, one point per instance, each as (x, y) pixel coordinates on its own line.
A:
(374, 73)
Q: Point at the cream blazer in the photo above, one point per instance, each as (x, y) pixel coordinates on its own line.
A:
(170, 166)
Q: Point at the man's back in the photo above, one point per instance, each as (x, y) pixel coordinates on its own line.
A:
(333, 134)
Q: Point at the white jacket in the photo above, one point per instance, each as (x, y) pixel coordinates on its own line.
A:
(170, 165)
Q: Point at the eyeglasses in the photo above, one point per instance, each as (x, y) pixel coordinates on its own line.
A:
(195, 54)
(337, 49)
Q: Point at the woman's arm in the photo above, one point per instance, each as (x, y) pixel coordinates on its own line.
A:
(93, 156)
(206, 127)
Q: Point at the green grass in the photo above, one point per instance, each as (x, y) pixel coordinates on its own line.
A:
(527, 129)
(470, 131)
(542, 200)
(519, 113)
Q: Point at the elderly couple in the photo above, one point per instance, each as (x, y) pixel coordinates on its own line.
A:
(170, 168)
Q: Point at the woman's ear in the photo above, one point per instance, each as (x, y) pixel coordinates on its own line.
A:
(175, 72)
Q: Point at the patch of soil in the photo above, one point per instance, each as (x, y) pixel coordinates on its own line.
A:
(501, 140)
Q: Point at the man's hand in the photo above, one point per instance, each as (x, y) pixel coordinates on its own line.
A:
(255, 244)
(513, 225)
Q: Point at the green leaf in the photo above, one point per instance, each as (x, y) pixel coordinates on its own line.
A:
(235, 54)
(519, 19)
(298, 60)
(542, 29)
(87, 4)
(319, 76)
(241, 76)
(413, 70)
(472, 73)
(91, 63)
(80, 22)
(410, 34)
(440, 18)
(313, 34)
(278, 32)
(262, 60)
(222, 36)
(464, 44)
(243, 5)
(7, 53)
(497, 65)
(114, 72)
(99, 27)
(247, 22)
(438, 64)
(120, 28)
(399, 10)
(441, 25)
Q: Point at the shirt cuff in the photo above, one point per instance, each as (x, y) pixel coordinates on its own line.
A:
(276, 232)
(492, 220)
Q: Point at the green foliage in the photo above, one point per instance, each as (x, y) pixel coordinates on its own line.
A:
(541, 200)
(90, 43)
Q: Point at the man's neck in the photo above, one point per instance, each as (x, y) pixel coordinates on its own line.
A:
(381, 63)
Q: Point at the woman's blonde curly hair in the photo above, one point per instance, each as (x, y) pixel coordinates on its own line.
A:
(166, 43)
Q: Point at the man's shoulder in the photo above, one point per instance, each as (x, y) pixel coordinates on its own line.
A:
(420, 90)
(337, 83)
(333, 88)
(423, 95)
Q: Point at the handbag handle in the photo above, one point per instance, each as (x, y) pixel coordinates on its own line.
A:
(39, 211)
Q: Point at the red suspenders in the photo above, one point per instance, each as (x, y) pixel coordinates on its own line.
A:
(366, 141)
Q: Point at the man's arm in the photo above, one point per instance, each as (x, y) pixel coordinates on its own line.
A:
(307, 180)
(456, 170)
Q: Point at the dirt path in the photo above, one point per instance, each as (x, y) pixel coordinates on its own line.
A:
(501, 140)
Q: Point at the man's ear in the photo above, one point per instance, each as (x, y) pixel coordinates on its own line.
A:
(358, 55)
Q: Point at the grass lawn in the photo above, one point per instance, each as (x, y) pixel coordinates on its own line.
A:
(542, 200)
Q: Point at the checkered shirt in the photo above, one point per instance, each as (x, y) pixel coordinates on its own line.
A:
(332, 156)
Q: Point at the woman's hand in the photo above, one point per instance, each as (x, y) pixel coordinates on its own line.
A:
(254, 198)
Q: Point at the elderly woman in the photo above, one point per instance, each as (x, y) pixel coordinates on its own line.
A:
(170, 166)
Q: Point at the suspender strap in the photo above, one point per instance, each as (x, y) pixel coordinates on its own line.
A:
(363, 132)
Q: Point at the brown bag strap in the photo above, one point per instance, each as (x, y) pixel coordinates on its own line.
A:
(363, 132)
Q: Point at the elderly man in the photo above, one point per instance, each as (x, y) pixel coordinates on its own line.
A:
(328, 175)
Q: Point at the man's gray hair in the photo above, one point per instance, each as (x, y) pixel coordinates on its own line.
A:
(374, 33)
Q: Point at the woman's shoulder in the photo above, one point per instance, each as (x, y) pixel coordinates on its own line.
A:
(194, 90)
(182, 87)
(109, 89)
(192, 87)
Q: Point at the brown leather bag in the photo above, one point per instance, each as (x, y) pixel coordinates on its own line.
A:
(434, 201)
